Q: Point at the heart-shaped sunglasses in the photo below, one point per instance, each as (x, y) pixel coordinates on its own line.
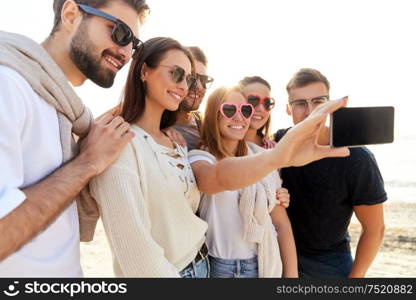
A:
(255, 100)
(229, 110)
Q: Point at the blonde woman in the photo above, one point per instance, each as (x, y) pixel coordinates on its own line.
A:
(242, 223)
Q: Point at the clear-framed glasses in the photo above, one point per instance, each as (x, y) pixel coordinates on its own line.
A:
(302, 104)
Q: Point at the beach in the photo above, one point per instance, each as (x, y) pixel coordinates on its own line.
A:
(396, 258)
(397, 255)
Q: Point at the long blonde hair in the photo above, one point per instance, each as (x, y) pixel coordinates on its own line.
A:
(211, 139)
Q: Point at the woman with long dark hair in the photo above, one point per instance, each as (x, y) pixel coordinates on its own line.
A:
(148, 197)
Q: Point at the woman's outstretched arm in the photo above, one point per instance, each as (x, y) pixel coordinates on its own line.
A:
(297, 148)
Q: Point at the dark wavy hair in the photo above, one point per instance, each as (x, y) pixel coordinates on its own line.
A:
(133, 100)
(198, 54)
(139, 5)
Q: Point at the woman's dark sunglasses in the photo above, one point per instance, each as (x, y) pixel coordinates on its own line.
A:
(229, 110)
(255, 100)
(121, 34)
(178, 75)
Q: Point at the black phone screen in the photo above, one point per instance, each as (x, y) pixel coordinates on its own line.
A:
(356, 126)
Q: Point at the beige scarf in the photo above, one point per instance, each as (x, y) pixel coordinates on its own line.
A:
(31, 61)
(256, 203)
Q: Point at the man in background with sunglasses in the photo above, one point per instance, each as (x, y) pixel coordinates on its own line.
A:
(325, 194)
(189, 118)
(41, 173)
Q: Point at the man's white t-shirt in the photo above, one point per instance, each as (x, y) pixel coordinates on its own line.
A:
(30, 149)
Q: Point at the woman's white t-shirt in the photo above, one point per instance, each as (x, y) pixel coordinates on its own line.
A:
(225, 224)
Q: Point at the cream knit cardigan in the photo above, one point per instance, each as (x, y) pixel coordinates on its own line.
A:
(149, 221)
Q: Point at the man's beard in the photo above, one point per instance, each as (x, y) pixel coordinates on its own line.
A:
(84, 55)
(189, 104)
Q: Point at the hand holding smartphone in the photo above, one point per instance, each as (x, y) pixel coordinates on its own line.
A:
(358, 126)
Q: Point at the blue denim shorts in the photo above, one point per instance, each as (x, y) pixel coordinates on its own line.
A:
(199, 269)
(233, 268)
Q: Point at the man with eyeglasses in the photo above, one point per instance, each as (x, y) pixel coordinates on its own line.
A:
(325, 194)
(42, 169)
(189, 118)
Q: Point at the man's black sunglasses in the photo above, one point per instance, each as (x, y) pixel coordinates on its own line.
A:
(205, 80)
(121, 34)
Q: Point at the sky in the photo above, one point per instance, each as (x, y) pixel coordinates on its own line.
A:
(365, 48)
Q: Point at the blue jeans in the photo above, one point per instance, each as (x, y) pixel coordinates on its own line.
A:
(328, 265)
(199, 269)
(233, 268)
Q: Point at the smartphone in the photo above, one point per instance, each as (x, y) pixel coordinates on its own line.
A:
(359, 126)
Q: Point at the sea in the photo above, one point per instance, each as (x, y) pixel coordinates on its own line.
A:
(397, 163)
